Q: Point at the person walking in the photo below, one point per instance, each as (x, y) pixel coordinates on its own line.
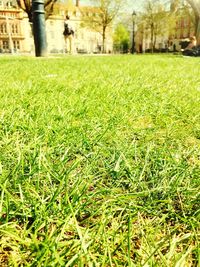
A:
(68, 34)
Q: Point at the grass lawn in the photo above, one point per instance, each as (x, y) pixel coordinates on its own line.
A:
(100, 161)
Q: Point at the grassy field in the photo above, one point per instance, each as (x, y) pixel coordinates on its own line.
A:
(99, 161)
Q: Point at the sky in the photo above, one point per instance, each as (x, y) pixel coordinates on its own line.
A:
(132, 4)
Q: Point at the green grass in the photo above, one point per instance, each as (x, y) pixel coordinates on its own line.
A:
(99, 161)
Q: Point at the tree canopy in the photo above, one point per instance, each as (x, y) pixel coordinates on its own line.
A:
(195, 5)
(154, 18)
(106, 12)
(121, 38)
(26, 6)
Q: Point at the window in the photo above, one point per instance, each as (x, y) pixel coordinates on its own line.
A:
(3, 28)
(16, 44)
(5, 45)
(9, 4)
(14, 28)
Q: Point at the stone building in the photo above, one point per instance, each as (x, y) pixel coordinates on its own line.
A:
(11, 34)
(16, 33)
(85, 39)
(182, 29)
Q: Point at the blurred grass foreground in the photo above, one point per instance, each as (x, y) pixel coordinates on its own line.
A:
(99, 161)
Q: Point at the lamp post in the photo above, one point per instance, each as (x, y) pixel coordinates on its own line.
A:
(39, 28)
(133, 32)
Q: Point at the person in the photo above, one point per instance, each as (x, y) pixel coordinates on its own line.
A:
(192, 44)
(68, 34)
(190, 47)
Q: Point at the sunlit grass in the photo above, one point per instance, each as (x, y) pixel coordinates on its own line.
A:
(100, 161)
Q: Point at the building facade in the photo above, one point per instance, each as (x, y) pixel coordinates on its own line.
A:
(16, 31)
(11, 33)
(167, 40)
(184, 29)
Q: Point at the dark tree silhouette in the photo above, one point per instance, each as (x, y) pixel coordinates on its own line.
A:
(26, 6)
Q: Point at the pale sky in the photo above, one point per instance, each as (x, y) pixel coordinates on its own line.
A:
(132, 4)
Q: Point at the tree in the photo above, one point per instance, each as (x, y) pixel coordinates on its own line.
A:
(105, 13)
(121, 38)
(26, 6)
(155, 19)
(195, 5)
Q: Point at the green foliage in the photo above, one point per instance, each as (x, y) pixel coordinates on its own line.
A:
(121, 37)
(106, 12)
(100, 161)
(155, 20)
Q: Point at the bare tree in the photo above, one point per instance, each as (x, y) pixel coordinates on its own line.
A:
(103, 16)
(155, 18)
(195, 5)
(26, 6)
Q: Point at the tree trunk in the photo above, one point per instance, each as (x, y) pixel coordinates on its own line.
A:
(197, 29)
(152, 35)
(103, 39)
(195, 5)
(154, 43)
